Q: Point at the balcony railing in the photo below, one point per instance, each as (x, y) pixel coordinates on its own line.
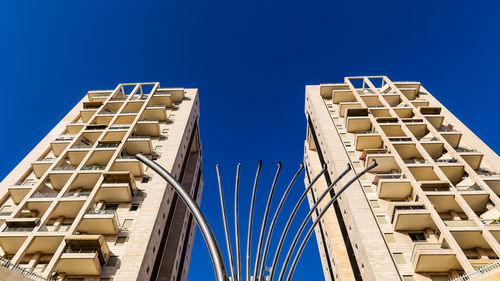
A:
(491, 221)
(474, 187)
(17, 229)
(20, 270)
(25, 183)
(118, 98)
(453, 160)
(106, 113)
(65, 137)
(446, 129)
(77, 194)
(107, 145)
(480, 272)
(81, 251)
(101, 212)
(46, 159)
(64, 168)
(5, 214)
(127, 157)
(415, 161)
(429, 139)
(129, 112)
(93, 167)
(44, 195)
(79, 146)
(459, 222)
(405, 207)
(464, 149)
(119, 127)
(138, 137)
(398, 139)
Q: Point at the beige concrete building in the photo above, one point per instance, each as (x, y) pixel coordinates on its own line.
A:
(428, 211)
(80, 206)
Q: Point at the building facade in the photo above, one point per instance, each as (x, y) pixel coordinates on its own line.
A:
(428, 211)
(79, 206)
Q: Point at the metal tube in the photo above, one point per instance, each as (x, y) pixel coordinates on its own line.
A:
(275, 218)
(306, 219)
(206, 231)
(323, 212)
(236, 222)
(264, 222)
(250, 220)
(289, 222)
(226, 229)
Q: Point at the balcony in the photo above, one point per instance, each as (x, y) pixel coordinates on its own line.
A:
(409, 89)
(84, 255)
(357, 123)
(433, 257)
(117, 187)
(60, 143)
(453, 171)
(403, 111)
(343, 106)
(155, 112)
(75, 127)
(435, 186)
(162, 97)
(98, 95)
(93, 168)
(392, 98)
(368, 140)
(423, 172)
(471, 156)
(418, 129)
(410, 216)
(12, 243)
(393, 130)
(147, 128)
(341, 95)
(99, 222)
(19, 190)
(419, 102)
(435, 120)
(451, 135)
(41, 165)
(385, 160)
(128, 163)
(138, 144)
(393, 188)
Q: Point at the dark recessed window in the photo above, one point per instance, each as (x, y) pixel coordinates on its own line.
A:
(112, 261)
(134, 207)
(417, 237)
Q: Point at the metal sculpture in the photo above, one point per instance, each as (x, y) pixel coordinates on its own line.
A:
(258, 273)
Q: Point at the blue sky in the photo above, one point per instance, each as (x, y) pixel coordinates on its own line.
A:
(251, 61)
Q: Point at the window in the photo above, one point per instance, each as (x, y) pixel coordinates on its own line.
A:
(408, 278)
(164, 131)
(112, 261)
(417, 237)
(121, 240)
(390, 237)
(111, 207)
(400, 259)
(374, 203)
(139, 193)
(127, 223)
(134, 207)
(382, 219)
(145, 179)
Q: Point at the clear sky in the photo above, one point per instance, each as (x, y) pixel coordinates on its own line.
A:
(251, 61)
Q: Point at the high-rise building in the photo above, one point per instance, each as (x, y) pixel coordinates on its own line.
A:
(428, 211)
(79, 206)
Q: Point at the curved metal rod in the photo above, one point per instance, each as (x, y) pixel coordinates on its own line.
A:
(206, 231)
(264, 222)
(289, 222)
(250, 219)
(275, 218)
(306, 219)
(318, 218)
(236, 222)
(226, 229)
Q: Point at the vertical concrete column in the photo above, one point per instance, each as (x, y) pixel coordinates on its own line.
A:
(34, 260)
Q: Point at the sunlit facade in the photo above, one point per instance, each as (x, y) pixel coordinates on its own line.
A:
(429, 210)
(79, 206)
